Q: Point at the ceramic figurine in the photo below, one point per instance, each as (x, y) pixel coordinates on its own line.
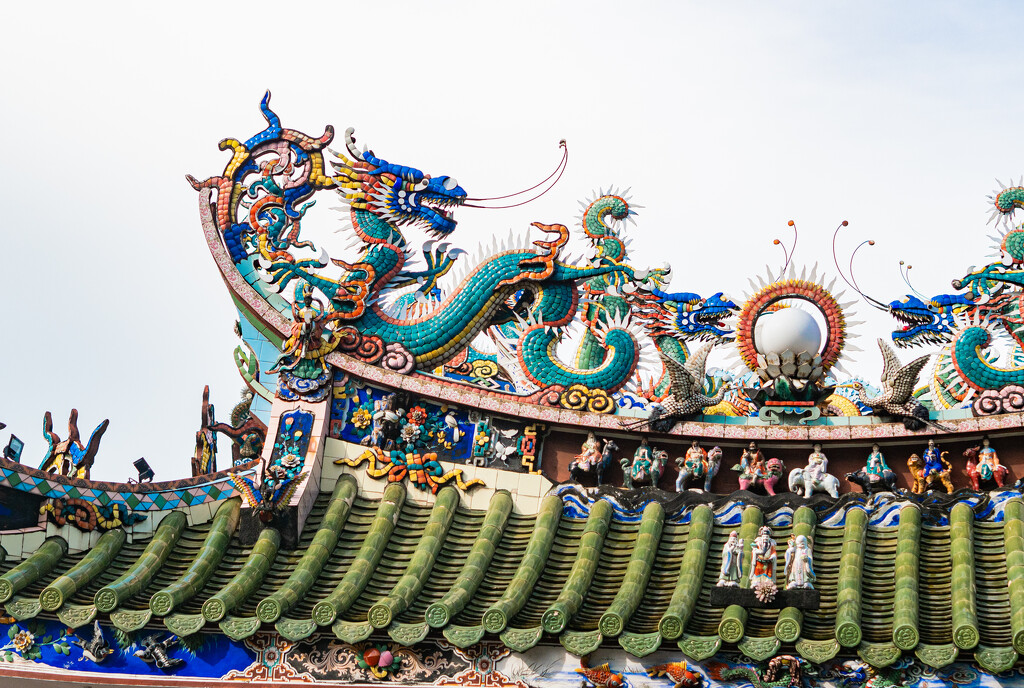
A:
(932, 459)
(799, 563)
(754, 470)
(96, 649)
(587, 460)
(593, 458)
(764, 556)
(693, 465)
(926, 474)
(154, 652)
(679, 673)
(599, 676)
(732, 562)
(983, 465)
(714, 463)
(815, 476)
(385, 420)
(876, 475)
(646, 466)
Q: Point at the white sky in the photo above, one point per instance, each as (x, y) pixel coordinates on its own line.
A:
(727, 119)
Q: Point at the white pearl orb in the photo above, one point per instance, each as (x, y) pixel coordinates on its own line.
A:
(787, 329)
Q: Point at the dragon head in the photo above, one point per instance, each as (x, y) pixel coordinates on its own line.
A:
(685, 316)
(397, 194)
(930, 322)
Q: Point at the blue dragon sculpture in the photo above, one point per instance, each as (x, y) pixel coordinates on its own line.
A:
(926, 323)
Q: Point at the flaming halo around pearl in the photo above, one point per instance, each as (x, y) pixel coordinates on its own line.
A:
(810, 288)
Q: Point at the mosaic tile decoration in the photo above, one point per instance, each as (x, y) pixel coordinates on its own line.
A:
(170, 494)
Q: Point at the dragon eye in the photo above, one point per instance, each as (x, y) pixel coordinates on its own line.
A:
(450, 184)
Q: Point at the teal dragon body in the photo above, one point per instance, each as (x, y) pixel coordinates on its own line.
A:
(268, 187)
(669, 319)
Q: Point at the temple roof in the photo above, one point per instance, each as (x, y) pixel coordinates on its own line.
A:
(588, 567)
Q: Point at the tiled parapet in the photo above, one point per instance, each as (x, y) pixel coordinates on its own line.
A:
(144, 497)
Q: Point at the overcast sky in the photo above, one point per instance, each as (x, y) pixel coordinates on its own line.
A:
(727, 119)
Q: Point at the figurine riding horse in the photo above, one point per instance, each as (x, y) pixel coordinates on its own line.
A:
(693, 467)
(584, 464)
(979, 470)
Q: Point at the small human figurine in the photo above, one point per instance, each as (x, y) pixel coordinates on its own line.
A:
(764, 556)
(817, 463)
(925, 478)
(641, 462)
(932, 460)
(693, 465)
(385, 418)
(983, 465)
(732, 562)
(588, 459)
(876, 467)
(799, 563)
(988, 460)
(876, 474)
(815, 476)
(754, 470)
(752, 461)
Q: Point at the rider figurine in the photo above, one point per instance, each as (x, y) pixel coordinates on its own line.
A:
(876, 464)
(988, 460)
(693, 465)
(590, 453)
(817, 464)
(932, 460)
(752, 461)
(641, 457)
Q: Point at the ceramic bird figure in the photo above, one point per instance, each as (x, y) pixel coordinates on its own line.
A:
(686, 384)
(154, 652)
(97, 649)
(451, 422)
(678, 672)
(898, 384)
(599, 677)
(269, 496)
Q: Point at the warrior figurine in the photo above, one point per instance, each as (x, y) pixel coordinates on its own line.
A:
(732, 562)
(764, 556)
(799, 565)
(752, 461)
(932, 460)
(983, 465)
(693, 465)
